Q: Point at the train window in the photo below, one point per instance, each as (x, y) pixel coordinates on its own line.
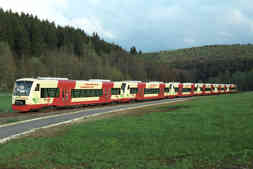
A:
(22, 88)
(37, 88)
(78, 93)
(49, 92)
(186, 89)
(75, 93)
(151, 91)
(167, 90)
(43, 93)
(100, 92)
(133, 90)
(115, 91)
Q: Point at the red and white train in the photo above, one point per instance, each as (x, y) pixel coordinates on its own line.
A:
(36, 93)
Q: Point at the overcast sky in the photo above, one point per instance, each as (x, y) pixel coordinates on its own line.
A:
(150, 25)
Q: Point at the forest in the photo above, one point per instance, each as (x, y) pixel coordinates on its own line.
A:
(30, 47)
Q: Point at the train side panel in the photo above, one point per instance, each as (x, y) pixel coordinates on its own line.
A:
(124, 91)
(198, 89)
(153, 90)
(215, 89)
(233, 88)
(169, 90)
(86, 92)
(187, 89)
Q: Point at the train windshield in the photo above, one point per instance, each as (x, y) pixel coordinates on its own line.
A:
(22, 88)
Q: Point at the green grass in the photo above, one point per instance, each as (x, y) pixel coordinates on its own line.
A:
(5, 102)
(210, 132)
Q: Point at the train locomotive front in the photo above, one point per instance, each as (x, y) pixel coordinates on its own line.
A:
(21, 99)
(36, 93)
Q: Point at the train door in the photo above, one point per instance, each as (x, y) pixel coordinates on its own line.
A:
(65, 92)
(108, 94)
(193, 88)
(127, 90)
(204, 89)
(123, 89)
(219, 89)
(225, 88)
(162, 86)
(140, 94)
(180, 89)
(212, 89)
(66, 96)
(196, 89)
(106, 98)
(172, 92)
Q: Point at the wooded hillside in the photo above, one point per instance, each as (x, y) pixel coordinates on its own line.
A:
(213, 63)
(30, 47)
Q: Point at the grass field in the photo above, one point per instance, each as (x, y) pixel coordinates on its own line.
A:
(5, 102)
(213, 132)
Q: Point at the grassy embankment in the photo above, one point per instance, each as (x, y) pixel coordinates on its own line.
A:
(5, 102)
(210, 132)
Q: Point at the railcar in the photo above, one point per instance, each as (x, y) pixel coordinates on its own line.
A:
(124, 91)
(150, 90)
(90, 92)
(30, 93)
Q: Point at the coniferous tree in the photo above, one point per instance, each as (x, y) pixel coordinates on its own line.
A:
(133, 50)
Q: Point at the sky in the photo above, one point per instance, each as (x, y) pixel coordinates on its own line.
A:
(149, 25)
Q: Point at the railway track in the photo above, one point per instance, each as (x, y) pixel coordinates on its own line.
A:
(50, 111)
(13, 130)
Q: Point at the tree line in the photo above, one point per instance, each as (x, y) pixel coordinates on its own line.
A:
(30, 47)
(211, 64)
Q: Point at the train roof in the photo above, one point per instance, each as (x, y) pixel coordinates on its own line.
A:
(26, 79)
(187, 83)
(51, 78)
(131, 81)
(99, 80)
(172, 82)
(41, 78)
(154, 82)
